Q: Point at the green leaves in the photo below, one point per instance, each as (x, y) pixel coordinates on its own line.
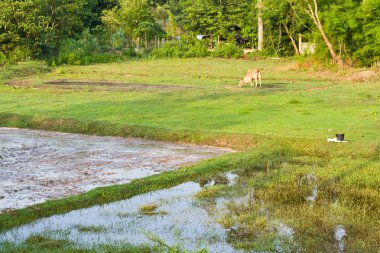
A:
(36, 28)
(21, 27)
(354, 29)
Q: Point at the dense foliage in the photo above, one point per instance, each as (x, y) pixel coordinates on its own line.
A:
(49, 29)
(177, 49)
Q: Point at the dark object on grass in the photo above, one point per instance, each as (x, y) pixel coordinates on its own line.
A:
(340, 137)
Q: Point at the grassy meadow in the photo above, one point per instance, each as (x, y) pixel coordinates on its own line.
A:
(280, 131)
(291, 104)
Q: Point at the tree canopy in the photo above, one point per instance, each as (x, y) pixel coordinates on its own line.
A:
(347, 31)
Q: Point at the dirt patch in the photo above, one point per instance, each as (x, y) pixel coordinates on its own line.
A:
(364, 76)
(42, 165)
(264, 86)
(96, 86)
(273, 86)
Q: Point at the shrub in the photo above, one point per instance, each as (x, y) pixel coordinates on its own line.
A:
(130, 52)
(19, 53)
(170, 49)
(101, 58)
(177, 49)
(227, 50)
(70, 52)
(118, 40)
(22, 69)
(3, 59)
(197, 49)
(84, 51)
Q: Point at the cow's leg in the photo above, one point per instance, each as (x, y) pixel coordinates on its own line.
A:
(256, 81)
(251, 82)
(259, 75)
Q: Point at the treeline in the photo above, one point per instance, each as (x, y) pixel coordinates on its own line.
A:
(345, 32)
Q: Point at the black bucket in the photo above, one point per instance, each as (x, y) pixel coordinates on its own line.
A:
(340, 137)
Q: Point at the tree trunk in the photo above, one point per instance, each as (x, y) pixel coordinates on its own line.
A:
(260, 42)
(146, 39)
(138, 43)
(313, 13)
(279, 38)
(292, 39)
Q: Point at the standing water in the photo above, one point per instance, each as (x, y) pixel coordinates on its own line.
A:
(178, 220)
(340, 233)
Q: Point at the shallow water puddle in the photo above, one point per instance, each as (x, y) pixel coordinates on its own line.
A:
(178, 219)
(42, 165)
(340, 233)
(231, 178)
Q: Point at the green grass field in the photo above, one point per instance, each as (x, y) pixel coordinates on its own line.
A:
(291, 103)
(280, 129)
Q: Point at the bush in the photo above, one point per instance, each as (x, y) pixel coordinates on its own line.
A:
(118, 40)
(198, 49)
(171, 49)
(101, 58)
(177, 49)
(3, 59)
(84, 51)
(79, 59)
(260, 55)
(79, 52)
(227, 50)
(22, 69)
(130, 52)
(19, 53)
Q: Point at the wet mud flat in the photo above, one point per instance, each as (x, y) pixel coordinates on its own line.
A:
(41, 165)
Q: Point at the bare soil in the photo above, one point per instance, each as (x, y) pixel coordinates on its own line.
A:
(41, 165)
(95, 86)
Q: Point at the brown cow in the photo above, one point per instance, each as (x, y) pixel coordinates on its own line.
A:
(249, 76)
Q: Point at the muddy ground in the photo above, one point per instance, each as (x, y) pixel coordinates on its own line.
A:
(41, 165)
(97, 86)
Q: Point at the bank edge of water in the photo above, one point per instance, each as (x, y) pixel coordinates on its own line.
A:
(226, 140)
(269, 149)
(103, 195)
(236, 141)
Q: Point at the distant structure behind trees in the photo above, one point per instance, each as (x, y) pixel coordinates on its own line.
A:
(305, 47)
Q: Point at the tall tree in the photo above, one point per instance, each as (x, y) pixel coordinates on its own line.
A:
(22, 28)
(355, 29)
(172, 25)
(111, 21)
(311, 8)
(260, 24)
(161, 14)
(64, 16)
(134, 17)
(368, 40)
